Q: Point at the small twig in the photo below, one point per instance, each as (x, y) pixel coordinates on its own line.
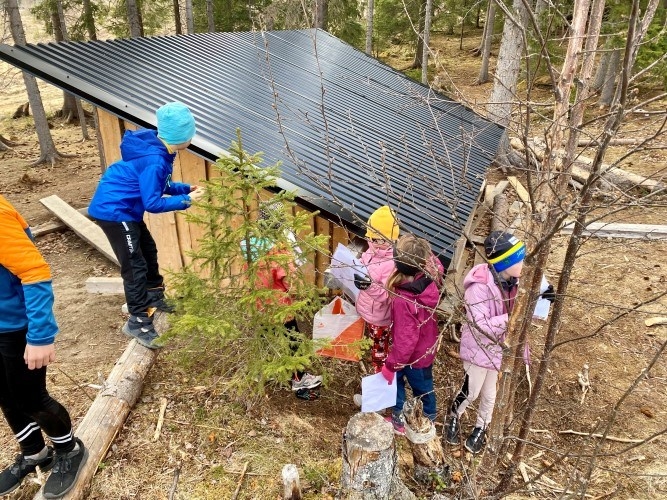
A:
(238, 485)
(174, 483)
(609, 438)
(160, 420)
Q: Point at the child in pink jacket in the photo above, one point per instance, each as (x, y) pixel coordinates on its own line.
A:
(490, 290)
(373, 303)
(414, 325)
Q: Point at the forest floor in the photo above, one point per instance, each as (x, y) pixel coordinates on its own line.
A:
(209, 435)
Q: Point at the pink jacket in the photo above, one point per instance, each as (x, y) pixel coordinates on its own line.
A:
(374, 303)
(415, 324)
(487, 315)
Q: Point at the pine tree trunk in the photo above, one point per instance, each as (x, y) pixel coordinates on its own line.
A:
(48, 152)
(486, 43)
(419, 50)
(133, 18)
(321, 14)
(210, 17)
(508, 66)
(177, 17)
(369, 26)
(89, 20)
(601, 72)
(189, 17)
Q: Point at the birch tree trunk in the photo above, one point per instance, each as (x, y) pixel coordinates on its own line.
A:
(133, 18)
(486, 43)
(369, 27)
(508, 65)
(427, 40)
(189, 17)
(177, 17)
(210, 17)
(48, 152)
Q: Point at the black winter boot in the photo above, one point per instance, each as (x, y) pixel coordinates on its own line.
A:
(157, 300)
(476, 440)
(141, 328)
(452, 429)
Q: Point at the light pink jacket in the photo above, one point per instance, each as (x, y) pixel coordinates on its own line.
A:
(486, 325)
(374, 303)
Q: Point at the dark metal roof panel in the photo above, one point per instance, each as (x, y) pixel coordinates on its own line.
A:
(352, 133)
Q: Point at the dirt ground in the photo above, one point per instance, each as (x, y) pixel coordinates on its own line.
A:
(209, 436)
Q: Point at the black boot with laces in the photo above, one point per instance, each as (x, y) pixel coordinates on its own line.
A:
(66, 470)
(476, 440)
(12, 477)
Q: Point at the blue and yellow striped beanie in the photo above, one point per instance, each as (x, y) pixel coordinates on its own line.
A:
(503, 250)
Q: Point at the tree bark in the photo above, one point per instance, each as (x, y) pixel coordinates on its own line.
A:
(428, 458)
(321, 10)
(609, 85)
(370, 467)
(486, 43)
(210, 16)
(189, 17)
(427, 40)
(369, 26)
(508, 65)
(419, 50)
(133, 18)
(89, 20)
(48, 152)
(177, 17)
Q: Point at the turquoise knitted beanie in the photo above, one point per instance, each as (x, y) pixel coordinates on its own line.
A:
(175, 123)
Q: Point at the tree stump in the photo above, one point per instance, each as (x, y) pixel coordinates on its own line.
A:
(427, 453)
(370, 468)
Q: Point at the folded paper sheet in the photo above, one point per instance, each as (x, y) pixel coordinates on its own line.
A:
(376, 393)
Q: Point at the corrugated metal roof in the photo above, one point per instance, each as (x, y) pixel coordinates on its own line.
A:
(351, 132)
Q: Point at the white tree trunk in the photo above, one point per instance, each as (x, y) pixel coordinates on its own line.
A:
(427, 40)
(189, 17)
(369, 27)
(508, 65)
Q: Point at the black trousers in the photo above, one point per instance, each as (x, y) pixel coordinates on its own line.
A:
(25, 402)
(136, 252)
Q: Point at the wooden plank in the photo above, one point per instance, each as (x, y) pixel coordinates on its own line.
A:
(163, 228)
(52, 227)
(620, 230)
(110, 409)
(110, 132)
(105, 285)
(190, 169)
(520, 190)
(83, 227)
(323, 259)
(309, 267)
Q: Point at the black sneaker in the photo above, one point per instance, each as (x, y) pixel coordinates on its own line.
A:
(452, 429)
(156, 299)
(12, 477)
(66, 470)
(141, 328)
(308, 394)
(475, 441)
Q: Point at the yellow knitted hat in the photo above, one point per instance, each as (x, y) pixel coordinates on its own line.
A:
(382, 225)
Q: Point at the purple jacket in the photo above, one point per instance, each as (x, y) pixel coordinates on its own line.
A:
(374, 303)
(487, 315)
(415, 324)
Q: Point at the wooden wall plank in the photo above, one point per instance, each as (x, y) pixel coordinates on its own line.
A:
(163, 228)
(323, 259)
(190, 169)
(111, 133)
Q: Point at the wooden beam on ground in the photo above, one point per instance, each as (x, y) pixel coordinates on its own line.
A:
(520, 190)
(104, 285)
(83, 227)
(107, 414)
(52, 227)
(619, 230)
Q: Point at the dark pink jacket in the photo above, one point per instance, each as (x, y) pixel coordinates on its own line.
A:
(414, 324)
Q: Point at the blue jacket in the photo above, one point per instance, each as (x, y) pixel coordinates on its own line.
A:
(26, 295)
(138, 183)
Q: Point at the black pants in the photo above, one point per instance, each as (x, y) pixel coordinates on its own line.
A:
(136, 252)
(25, 402)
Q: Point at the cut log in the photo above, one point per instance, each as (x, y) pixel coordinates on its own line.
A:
(370, 468)
(500, 213)
(291, 485)
(84, 228)
(52, 227)
(427, 455)
(111, 407)
(106, 286)
(524, 196)
(617, 230)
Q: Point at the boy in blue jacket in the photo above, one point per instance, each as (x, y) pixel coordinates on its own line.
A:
(27, 333)
(136, 184)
